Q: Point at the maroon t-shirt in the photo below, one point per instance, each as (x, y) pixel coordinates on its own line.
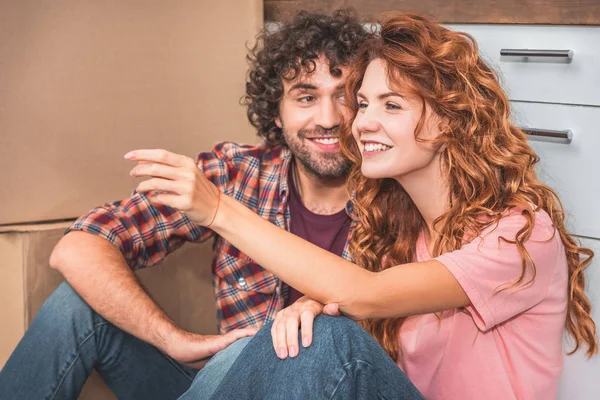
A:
(329, 232)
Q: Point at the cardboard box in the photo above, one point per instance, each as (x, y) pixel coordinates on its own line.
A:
(83, 82)
(181, 285)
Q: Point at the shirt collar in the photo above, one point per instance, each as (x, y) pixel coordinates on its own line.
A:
(286, 163)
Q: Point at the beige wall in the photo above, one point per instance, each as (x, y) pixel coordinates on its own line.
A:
(84, 81)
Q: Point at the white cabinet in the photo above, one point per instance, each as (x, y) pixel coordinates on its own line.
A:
(580, 379)
(543, 79)
(571, 169)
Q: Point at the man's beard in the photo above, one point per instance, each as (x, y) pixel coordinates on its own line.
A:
(321, 164)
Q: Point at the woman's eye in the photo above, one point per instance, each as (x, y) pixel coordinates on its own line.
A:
(362, 105)
(392, 106)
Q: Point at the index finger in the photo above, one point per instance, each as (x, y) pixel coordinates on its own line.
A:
(156, 155)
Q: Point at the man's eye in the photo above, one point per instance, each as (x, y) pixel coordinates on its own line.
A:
(306, 99)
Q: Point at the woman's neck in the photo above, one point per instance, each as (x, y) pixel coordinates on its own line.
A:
(428, 190)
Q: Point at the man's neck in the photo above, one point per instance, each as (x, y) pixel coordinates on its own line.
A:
(323, 196)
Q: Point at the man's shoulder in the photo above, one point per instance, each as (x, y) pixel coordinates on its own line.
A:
(246, 167)
(235, 153)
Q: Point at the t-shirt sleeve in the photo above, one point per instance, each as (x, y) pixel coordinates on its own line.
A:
(488, 266)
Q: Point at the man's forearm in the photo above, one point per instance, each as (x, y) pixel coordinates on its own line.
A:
(98, 272)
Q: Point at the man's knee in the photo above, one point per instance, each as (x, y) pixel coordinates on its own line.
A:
(328, 332)
(339, 327)
(63, 305)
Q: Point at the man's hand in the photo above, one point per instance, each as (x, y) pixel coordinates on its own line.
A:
(181, 182)
(302, 313)
(195, 349)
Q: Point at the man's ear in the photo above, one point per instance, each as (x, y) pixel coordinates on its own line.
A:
(278, 122)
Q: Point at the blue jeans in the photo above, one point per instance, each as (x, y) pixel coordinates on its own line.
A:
(209, 377)
(67, 340)
(343, 362)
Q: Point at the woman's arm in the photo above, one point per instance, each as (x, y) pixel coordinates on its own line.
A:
(408, 289)
(403, 290)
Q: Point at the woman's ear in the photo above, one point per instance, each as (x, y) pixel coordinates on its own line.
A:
(443, 125)
(434, 125)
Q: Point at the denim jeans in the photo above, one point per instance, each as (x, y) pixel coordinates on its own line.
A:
(67, 340)
(209, 377)
(343, 362)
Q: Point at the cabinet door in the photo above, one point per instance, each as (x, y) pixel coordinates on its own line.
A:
(83, 82)
(580, 379)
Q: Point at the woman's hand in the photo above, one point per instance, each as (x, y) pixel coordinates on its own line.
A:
(301, 314)
(186, 187)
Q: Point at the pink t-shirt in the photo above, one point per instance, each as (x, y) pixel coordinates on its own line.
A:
(506, 345)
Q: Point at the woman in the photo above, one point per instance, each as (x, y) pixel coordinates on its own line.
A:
(465, 274)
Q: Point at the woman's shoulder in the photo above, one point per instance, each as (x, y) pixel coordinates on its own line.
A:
(514, 220)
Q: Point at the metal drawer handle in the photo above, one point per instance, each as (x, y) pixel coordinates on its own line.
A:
(562, 54)
(547, 135)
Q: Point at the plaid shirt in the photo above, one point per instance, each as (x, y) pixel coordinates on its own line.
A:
(246, 294)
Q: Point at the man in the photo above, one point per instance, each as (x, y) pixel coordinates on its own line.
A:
(101, 317)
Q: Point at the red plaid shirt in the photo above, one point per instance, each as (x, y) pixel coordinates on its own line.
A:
(246, 294)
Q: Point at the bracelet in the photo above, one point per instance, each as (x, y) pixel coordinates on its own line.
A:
(217, 210)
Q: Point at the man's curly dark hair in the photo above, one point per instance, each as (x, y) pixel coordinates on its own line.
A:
(294, 47)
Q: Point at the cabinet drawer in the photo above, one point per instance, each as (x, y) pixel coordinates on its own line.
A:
(573, 169)
(543, 79)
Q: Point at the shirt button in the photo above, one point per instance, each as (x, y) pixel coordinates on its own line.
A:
(242, 281)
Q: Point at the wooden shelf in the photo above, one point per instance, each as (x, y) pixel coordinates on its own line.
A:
(552, 12)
